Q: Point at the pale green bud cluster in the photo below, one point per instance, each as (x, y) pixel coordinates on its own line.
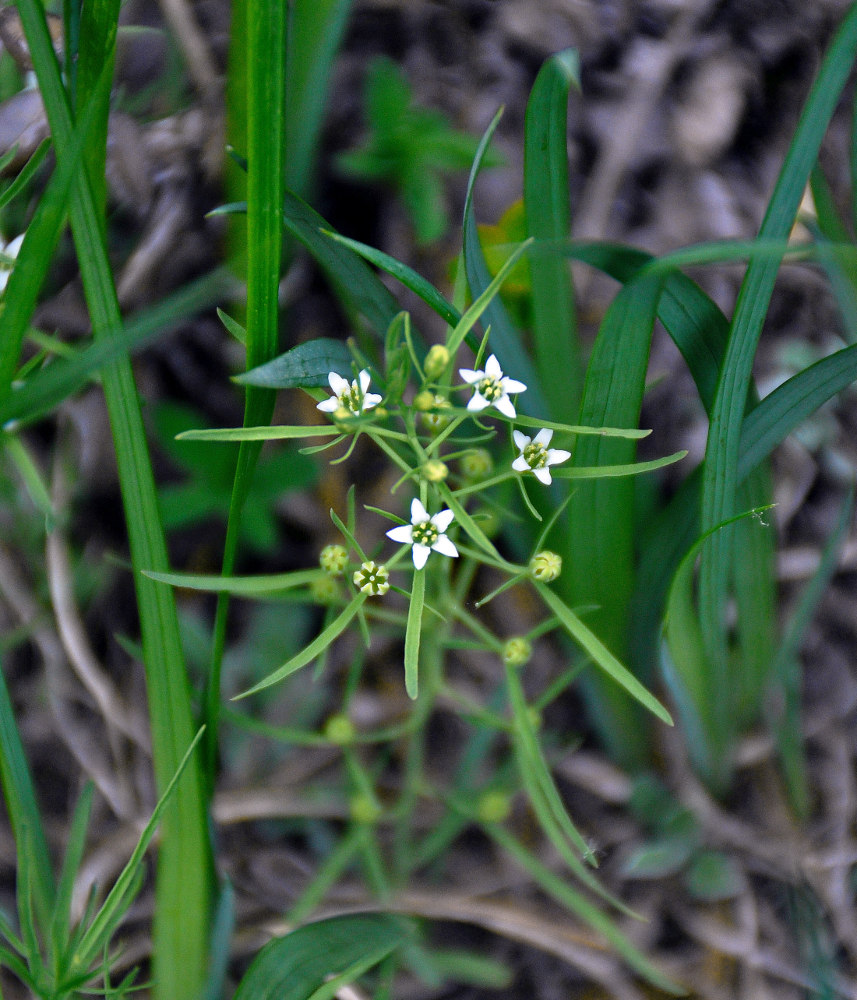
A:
(333, 559)
(435, 471)
(437, 361)
(545, 566)
(339, 729)
(372, 578)
(517, 651)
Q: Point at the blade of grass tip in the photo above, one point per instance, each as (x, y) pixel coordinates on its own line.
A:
(722, 454)
(22, 807)
(505, 339)
(548, 215)
(266, 27)
(23, 179)
(412, 634)
(184, 863)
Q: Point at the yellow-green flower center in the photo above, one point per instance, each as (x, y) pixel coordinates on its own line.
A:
(425, 533)
(535, 455)
(352, 399)
(489, 388)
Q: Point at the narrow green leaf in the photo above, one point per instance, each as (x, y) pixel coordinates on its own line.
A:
(293, 967)
(60, 931)
(233, 326)
(29, 169)
(601, 656)
(412, 633)
(607, 471)
(240, 586)
(312, 650)
(308, 364)
(548, 215)
(265, 433)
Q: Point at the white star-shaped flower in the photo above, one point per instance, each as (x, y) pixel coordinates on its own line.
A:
(491, 388)
(535, 456)
(352, 397)
(425, 533)
(9, 249)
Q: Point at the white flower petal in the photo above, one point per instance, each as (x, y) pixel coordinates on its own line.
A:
(338, 384)
(329, 405)
(418, 512)
(521, 464)
(504, 405)
(492, 367)
(364, 380)
(521, 440)
(445, 547)
(442, 520)
(513, 385)
(469, 375)
(543, 437)
(404, 533)
(371, 399)
(477, 403)
(543, 475)
(557, 455)
(11, 249)
(420, 555)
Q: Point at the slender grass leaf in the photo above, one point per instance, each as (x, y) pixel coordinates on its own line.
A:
(240, 586)
(60, 930)
(27, 173)
(548, 214)
(607, 471)
(265, 433)
(312, 650)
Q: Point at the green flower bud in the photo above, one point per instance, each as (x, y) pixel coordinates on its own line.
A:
(424, 400)
(372, 579)
(435, 471)
(545, 566)
(517, 651)
(339, 729)
(435, 419)
(437, 361)
(333, 559)
(324, 590)
(364, 809)
(476, 464)
(493, 807)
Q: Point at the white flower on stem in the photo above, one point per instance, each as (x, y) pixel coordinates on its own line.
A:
(535, 456)
(491, 388)
(351, 397)
(425, 534)
(9, 249)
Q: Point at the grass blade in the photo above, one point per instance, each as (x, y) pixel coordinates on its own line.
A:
(548, 215)
(412, 634)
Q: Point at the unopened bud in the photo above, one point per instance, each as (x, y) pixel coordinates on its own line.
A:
(545, 566)
(437, 361)
(517, 651)
(333, 559)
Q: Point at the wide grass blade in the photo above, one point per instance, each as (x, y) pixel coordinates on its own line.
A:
(548, 217)
(183, 885)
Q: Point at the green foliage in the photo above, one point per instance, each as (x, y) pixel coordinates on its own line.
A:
(409, 148)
